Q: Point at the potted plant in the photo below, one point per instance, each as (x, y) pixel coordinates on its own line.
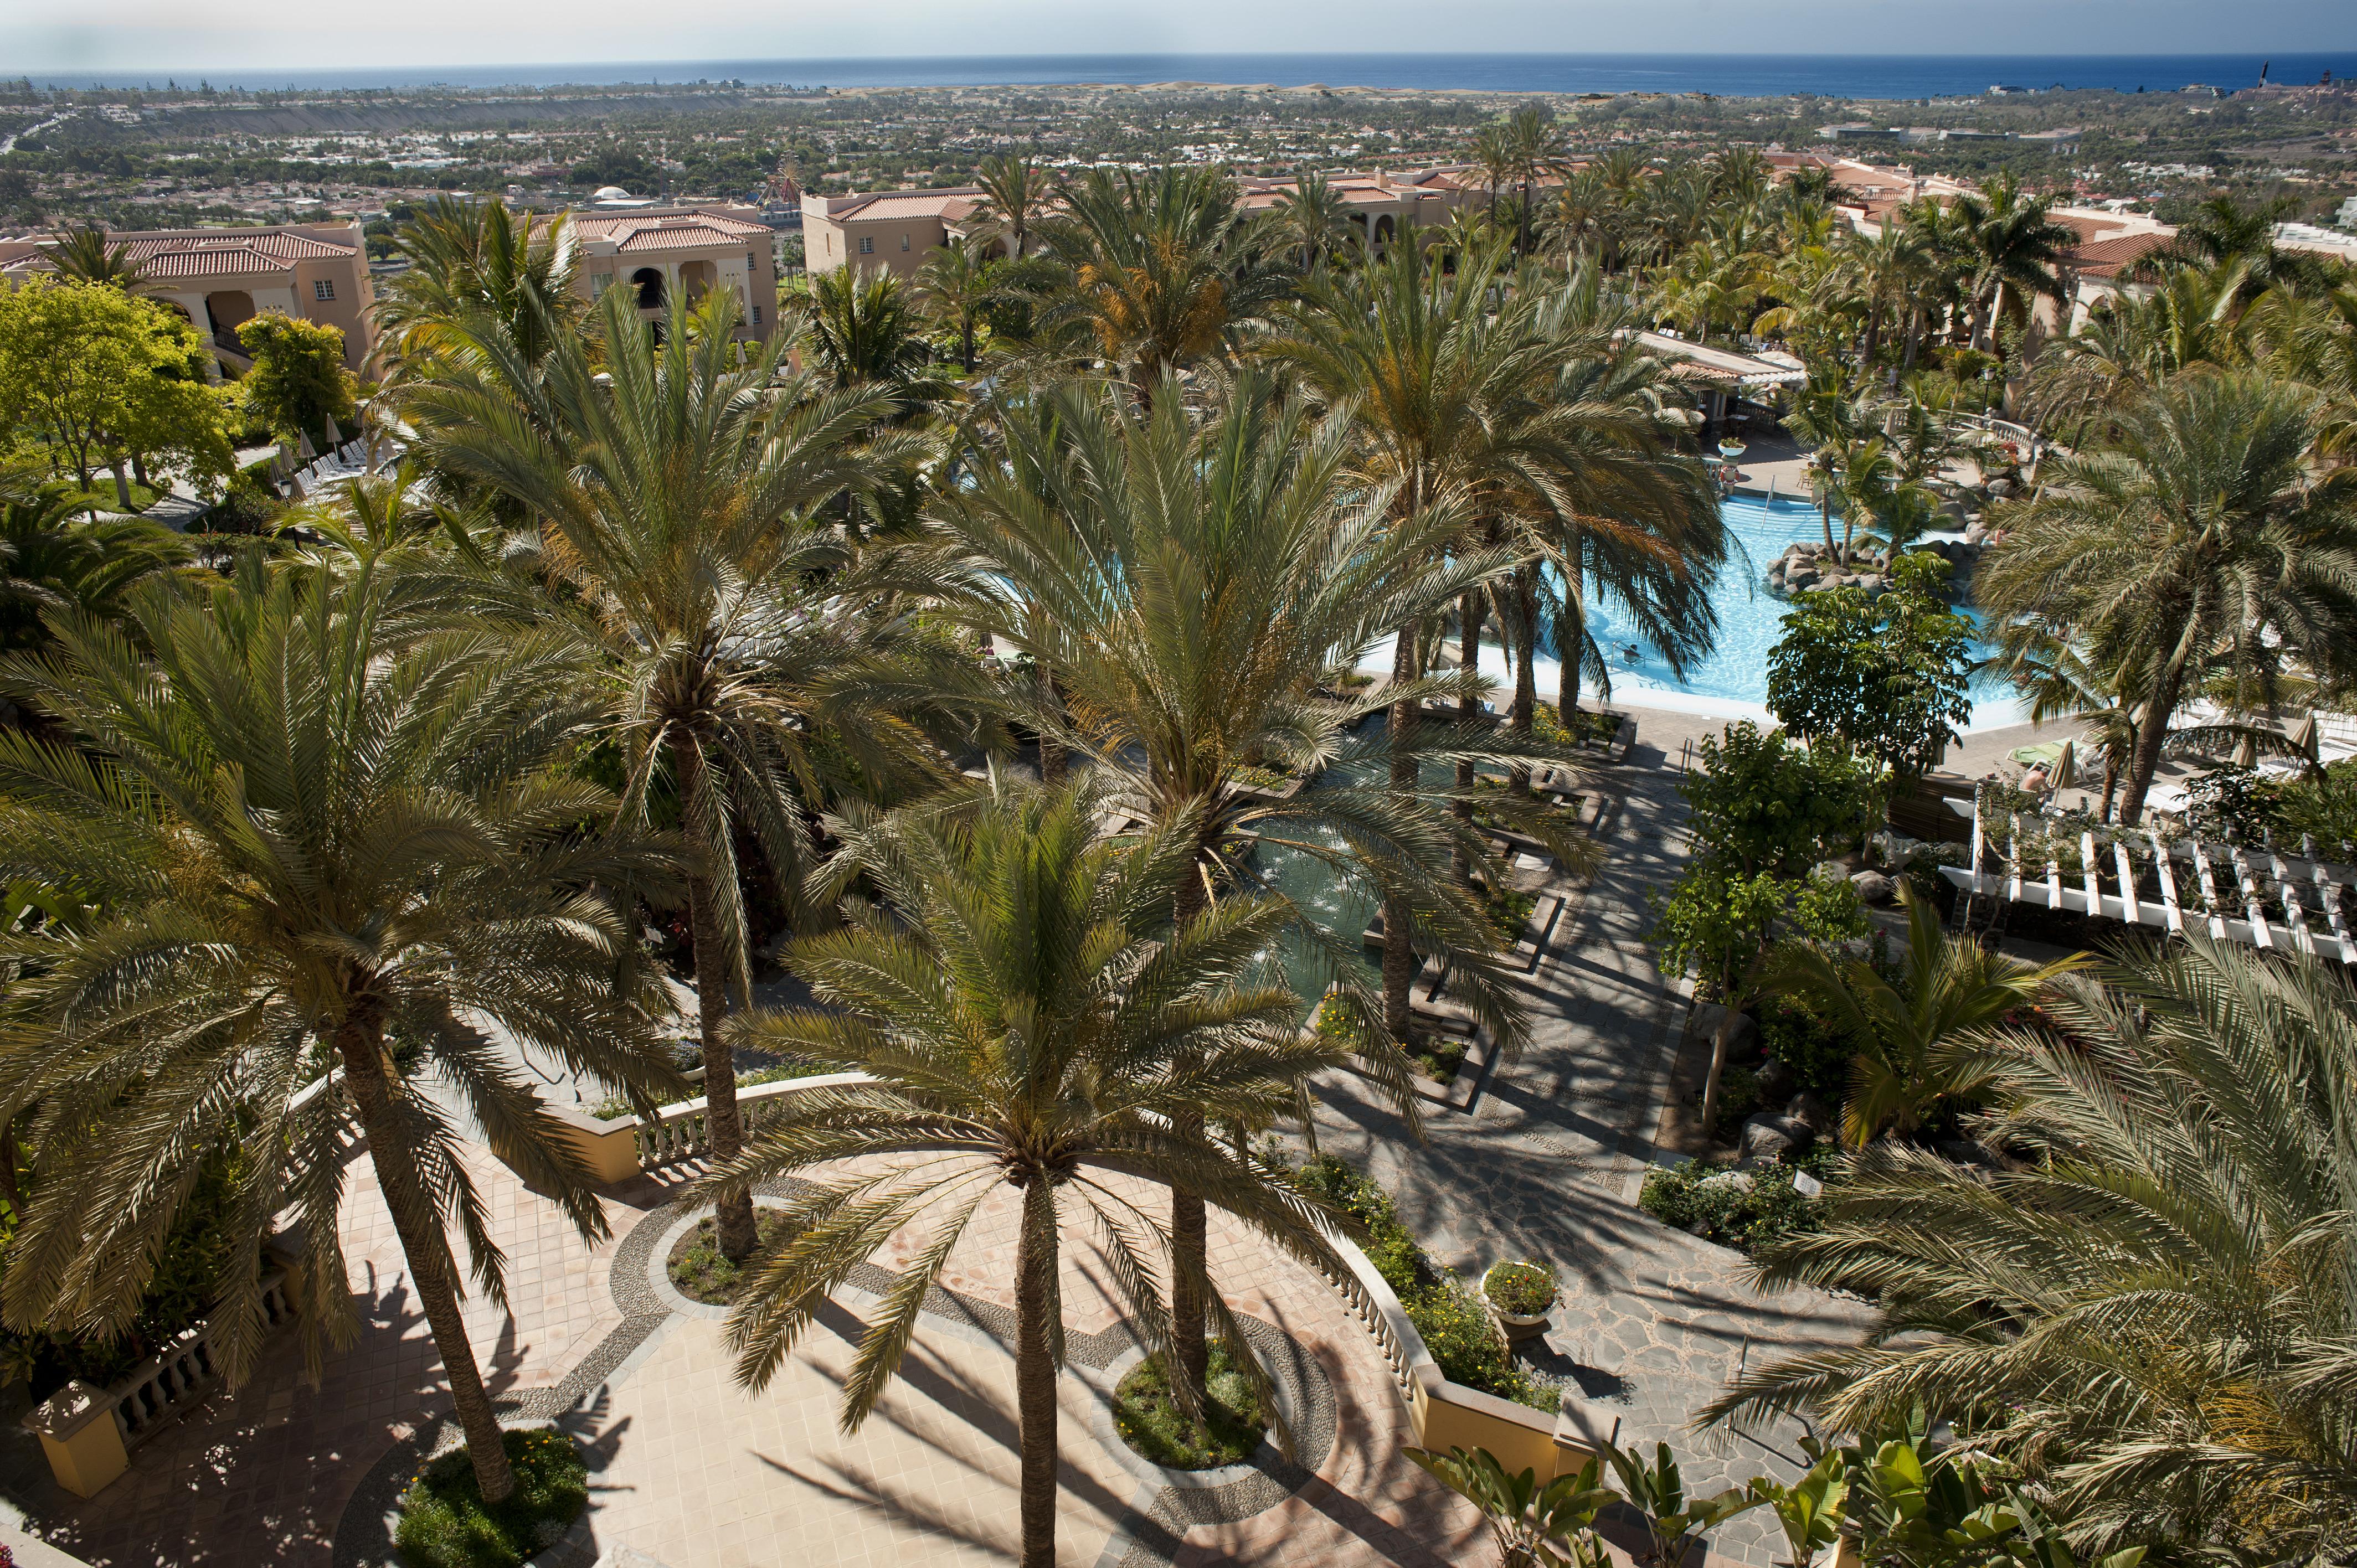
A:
(1520, 1294)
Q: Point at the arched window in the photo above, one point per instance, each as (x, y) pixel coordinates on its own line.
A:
(648, 282)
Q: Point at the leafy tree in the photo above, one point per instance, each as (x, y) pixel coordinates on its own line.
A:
(2146, 1310)
(308, 835)
(1526, 1520)
(1763, 804)
(72, 356)
(1886, 676)
(298, 382)
(1038, 1035)
(1761, 813)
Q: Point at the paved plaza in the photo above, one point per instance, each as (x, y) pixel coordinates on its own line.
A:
(691, 1471)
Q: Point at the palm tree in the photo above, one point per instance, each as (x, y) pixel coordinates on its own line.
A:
(1036, 1035)
(1310, 220)
(2014, 245)
(1200, 586)
(1162, 275)
(48, 564)
(306, 838)
(1909, 1028)
(863, 331)
(2191, 316)
(676, 486)
(1631, 519)
(1825, 416)
(2146, 1308)
(1535, 149)
(1441, 384)
(2203, 540)
(470, 259)
(1016, 193)
(958, 284)
(1886, 269)
(83, 253)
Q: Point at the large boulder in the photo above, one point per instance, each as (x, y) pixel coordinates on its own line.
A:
(1767, 1135)
(1809, 1108)
(1873, 887)
(1776, 1081)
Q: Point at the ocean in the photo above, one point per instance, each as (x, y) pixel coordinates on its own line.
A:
(1735, 76)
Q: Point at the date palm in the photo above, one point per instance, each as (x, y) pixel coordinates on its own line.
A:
(1310, 222)
(1016, 193)
(2013, 245)
(83, 253)
(1441, 384)
(2149, 1306)
(2190, 551)
(1162, 273)
(676, 486)
(1630, 518)
(306, 837)
(1909, 1028)
(958, 284)
(1035, 1034)
(470, 259)
(863, 331)
(1202, 587)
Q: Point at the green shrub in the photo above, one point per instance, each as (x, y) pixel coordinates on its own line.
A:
(1450, 1314)
(1818, 1051)
(1746, 1209)
(445, 1522)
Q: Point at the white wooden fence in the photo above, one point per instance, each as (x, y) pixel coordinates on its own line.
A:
(2261, 897)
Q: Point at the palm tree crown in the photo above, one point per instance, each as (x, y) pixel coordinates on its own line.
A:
(1030, 1023)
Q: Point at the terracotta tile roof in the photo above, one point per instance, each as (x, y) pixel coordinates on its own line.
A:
(637, 232)
(214, 261)
(205, 253)
(903, 204)
(2107, 258)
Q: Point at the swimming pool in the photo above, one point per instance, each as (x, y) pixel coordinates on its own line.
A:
(1733, 681)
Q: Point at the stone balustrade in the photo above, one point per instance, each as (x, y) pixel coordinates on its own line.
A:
(88, 1433)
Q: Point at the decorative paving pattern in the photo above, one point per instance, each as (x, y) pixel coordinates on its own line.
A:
(1153, 1536)
(1548, 1162)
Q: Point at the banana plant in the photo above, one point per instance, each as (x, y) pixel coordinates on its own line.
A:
(1534, 1526)
(1811, 1510)
(1658, 1492)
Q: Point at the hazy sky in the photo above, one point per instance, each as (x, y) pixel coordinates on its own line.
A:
(69, 36)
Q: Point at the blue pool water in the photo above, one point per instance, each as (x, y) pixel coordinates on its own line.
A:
(1734, 680)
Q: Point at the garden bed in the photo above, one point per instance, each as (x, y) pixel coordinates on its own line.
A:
(1449, 1313)
(444, 1523)
(698, 1269)
(1149, 1421)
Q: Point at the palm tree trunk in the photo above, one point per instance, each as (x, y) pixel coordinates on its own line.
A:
(1190, 1222)
(1470, 610)
(1035, 1376)
(1914, 341)
(1570, 646)
(359, 1043)
(2150, 738)
(724, 1122)
(1526, 680)
(1399, 956)
(1055, 762)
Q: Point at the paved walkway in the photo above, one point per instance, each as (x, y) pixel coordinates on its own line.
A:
(693, 1472)
(1549, 1164)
